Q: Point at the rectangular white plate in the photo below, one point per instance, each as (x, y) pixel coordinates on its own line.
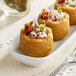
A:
(58, 47)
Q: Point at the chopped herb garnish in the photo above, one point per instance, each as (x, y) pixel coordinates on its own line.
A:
(59, 9)
(32, 29)
(38, 26)
(27, 25)
(43, 26)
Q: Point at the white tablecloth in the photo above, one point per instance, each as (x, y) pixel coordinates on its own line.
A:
(10, 66)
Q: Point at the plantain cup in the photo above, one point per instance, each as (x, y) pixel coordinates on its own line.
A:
(70, 10)
(36, 47)
(60, 29)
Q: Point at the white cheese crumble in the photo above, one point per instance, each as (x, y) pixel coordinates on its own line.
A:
(42, 34)
(33, 33)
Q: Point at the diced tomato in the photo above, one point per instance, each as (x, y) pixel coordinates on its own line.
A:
(29, 29)
(44, 16)
(73, 5)
(25, 24)
(45, 13)
(50, 15)
(56, 19)
(26, 27)
(37, 34)
(61, 1)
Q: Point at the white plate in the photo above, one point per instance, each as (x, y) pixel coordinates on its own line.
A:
(32, 61)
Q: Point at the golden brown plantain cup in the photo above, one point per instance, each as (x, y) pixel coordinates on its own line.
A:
(70, 10)
(36, 47)
(60, 29)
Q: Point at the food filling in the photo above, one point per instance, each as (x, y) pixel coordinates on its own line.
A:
(36, 31)
(54, 15)
(67, 3)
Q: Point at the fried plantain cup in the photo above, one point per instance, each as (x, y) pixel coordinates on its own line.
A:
(70, 10)
(60, 29)
(36, 47)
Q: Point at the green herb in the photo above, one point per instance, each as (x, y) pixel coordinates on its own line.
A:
(59, 9)
(32, 29)
(47, 32)
(38, 26)
(27, 25)
(41, 29)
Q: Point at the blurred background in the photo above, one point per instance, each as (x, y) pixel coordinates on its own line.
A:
(13, 10)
